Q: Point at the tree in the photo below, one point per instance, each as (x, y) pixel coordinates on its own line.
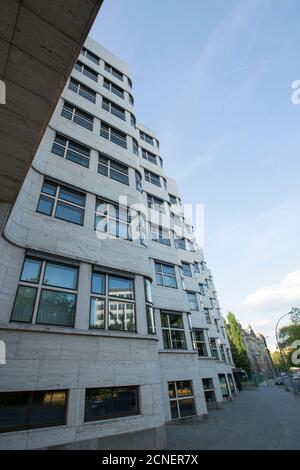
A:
(278, 361)
(287, 335)
(237, 344)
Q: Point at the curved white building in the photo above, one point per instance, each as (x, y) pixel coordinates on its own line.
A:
(110, 320)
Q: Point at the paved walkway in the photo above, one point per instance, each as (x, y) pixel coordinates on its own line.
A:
(263, 418)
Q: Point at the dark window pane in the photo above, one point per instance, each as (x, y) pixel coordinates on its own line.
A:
(60, 276)
(97, 403)
(124, 401)
(121, 287)
(45, 205)
(164, 320)
(174, 409)
(69, 213)
(210, 396)
(176, 321)
(178, 339)
(49, 188)
(24, 304)
(115, 175)
(58, 149)
(187, 407)
(98, 283)
(31, 270)
(172, 390)
(48, 408)
(56, 308)
(13, 410)
(97, 313)
(166, 339)
(72, 196)
(77, 158)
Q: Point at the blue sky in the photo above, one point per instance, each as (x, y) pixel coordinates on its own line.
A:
(213, 80)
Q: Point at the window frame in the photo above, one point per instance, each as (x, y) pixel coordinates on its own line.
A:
(178, 398)
(81, 87)
(41, 287)
(113, 108)
(164, 274)
(115, 218)
(169, 329)
(75, 114)
(66, 148)
(111, 169)
(110, 133)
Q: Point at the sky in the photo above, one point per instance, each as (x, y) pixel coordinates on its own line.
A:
(213, 79)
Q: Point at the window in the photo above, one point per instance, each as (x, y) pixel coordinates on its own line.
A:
(131, 100)
(114, 135)
(149, 308)
(152, 178)
(172, 331)
(149, 156)
(176, 219)
(46, 293)
(82, 90)
(223, 385)
(180, 243)
(112, 219)
(113, 71)
(209, 391)
(223, 353)
(90, 55)
(61, 202)
(29, 410)
(138, 181)
(132, 120)
(112, 302)
(165, 275)
(160, 235)
(192, 299)
(165, 184)
(207, 315)
(186, 269)
(181, 399)
(196, 267)
(229, 356)
(199, 342)
(202, 290)
(113, 109)
(78, 116)
(129, 82)
(113, 169)
(108, 403)
(147, 138)
(216, 325)
(113, 88)
(231, 383)
(135, 147)
(85, 70)
(160, 162)
(143, 230)
(190, 246)
(71, 150)
(155, 203)
(214, 348)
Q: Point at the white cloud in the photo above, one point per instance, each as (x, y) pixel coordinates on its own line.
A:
(279, 297)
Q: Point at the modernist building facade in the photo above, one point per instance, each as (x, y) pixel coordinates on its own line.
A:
(108, 312)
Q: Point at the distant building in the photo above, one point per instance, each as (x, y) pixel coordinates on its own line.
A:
(258, 353)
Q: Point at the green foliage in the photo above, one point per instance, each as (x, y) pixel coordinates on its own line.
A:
(278, 361)
(237, 344)
(287, 335)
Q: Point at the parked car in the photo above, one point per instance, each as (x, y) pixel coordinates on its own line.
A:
(278, 380)
(296, 376)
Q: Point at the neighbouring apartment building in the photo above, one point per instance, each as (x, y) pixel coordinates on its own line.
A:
(258, 353)
(108, 311)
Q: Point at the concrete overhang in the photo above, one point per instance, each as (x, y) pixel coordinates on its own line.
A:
(40, 41)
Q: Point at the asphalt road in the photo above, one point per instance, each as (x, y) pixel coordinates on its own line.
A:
(263, 418)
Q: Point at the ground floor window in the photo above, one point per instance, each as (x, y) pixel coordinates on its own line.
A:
(209, 391)
(181, 399)
(231, 383)
(28, 410)
(105, 403)
(223, 385)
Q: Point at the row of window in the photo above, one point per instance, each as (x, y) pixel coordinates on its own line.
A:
(38, 409)
(94, 76)
(47, 294)
(107, 67)
(46, 408)
(147, 138)
(114, 135)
